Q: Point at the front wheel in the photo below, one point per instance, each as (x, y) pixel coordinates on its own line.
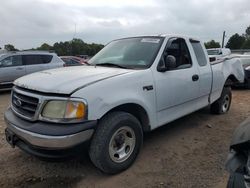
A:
(222, 105)
(116, 142)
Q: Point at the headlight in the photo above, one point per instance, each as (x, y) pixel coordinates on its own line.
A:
(247, 68)
(64, 110)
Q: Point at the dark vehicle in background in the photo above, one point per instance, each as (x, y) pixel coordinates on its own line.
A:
(17, 64)
(238, 161)
(86, 57)
(73, 61)
(246, 65)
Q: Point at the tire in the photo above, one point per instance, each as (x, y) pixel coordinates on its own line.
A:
(222, 105)
(116, 142)
(247, 84)
(236, 180)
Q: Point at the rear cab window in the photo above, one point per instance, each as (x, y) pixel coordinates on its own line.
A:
(199, 52)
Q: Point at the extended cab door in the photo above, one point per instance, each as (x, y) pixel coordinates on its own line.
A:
(11, 68)
(177, 89)
(205, 71)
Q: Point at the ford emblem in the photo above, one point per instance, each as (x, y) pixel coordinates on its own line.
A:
(18, 102)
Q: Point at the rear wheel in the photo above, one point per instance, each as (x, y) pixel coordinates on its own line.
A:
(222, 105)
(247, 84)
(116, 142)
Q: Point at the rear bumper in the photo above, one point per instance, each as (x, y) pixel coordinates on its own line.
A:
(45, 139)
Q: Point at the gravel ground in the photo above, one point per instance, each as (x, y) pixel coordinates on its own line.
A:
(189, 152)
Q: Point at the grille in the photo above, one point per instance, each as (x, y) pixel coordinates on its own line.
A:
(24, 105)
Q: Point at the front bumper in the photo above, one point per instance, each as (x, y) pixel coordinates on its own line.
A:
(46, 136)
(50, 142)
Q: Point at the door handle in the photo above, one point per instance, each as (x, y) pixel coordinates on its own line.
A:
(195, 77)
(19, 68)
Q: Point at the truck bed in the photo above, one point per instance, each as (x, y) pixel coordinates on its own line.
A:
(221, 70)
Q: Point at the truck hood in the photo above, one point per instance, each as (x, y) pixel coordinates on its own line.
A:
(67, 80)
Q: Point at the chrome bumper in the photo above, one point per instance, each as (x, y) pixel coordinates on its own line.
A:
(50, 142)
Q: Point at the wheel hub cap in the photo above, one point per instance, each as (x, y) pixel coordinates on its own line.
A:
(226, 103)
(122, 144)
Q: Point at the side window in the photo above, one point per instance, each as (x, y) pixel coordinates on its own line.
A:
(32, 59)
(11, 61)
(199, 52)
(69, 61)
(46, 58)
(74, 62)
(177, 47)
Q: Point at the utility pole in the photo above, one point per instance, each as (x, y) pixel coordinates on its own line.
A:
(73, 40)
(223, 39)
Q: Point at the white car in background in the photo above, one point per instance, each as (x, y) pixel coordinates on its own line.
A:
(14, 65)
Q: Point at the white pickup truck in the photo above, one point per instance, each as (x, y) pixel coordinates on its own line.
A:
(132, 85)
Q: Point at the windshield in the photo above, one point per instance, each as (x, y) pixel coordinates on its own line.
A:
(213, 52)
(131, 53)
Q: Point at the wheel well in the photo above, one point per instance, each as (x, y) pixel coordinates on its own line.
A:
(231, 80)
(138, 111)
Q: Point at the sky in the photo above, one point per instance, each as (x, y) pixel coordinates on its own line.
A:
(30, 23)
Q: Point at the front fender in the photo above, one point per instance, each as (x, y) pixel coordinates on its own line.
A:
(104, 107)
(125, 89)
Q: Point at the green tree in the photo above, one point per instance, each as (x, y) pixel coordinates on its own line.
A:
(73, 47)
(10, 47)
(212, 44)
(76, 47)
(248, 32)
(236, 41)
(45, 47)
(246, 44)
(62, 48)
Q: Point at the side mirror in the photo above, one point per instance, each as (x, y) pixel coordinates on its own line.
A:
(166, 63)
(161, 66)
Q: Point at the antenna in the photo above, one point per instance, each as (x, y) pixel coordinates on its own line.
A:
(75, 32)
(72, 40)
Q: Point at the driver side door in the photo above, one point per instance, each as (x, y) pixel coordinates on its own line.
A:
(176, 89)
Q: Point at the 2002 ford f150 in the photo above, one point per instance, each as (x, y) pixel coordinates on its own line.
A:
(132, 85)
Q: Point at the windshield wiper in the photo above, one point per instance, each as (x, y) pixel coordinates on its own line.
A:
(111, 65)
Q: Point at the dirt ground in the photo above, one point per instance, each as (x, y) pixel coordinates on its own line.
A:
(189, 152)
